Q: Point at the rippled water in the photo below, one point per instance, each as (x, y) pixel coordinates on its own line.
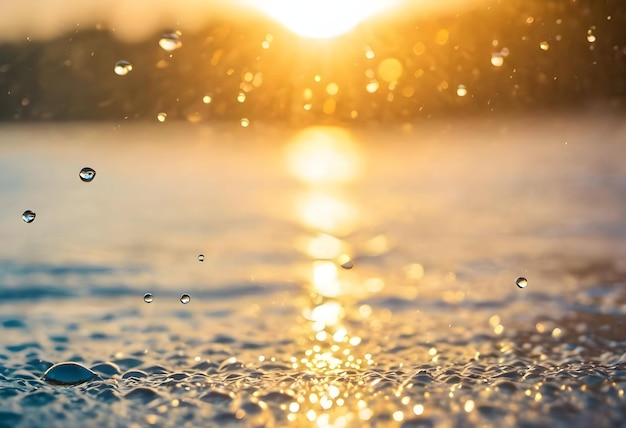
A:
(423, 326)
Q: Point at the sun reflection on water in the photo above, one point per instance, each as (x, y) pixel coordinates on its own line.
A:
(328, 162)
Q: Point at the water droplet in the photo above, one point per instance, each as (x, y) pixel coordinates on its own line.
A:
(161, 117)
(497, 59)
(201, 258)
(461, 90)
(87, 174)
(148, 297)
(28, 216)
(505, 52)
(170, 42)
(345, 261)
(544, 46)
(521, 282)
(68, 374)
(122, 68)
(245, 122)
(185, 298)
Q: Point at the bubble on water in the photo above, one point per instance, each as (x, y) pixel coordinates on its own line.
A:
(497, 59)
(161, 117)
(521, 282)
(28, 216)
(345, 261)
(461, 90)
(148, 297)
(185, 298)
(201, 257)
(170, 42)
(87, 174)
(544, 45)
(122, 68)
(68, 374)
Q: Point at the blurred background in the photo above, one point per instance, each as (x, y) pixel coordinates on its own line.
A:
(312, 62)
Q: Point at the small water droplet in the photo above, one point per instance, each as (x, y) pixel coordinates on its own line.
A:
(505, 52)
(461, 90)
(170, 42)
(148, 297)
(544, 46)
(521, 282)
(161, 117)
(87, 174)
(201, 258)
(28, 216)
(245, 122)
(122, 68)
(497, 59)
(185, 298)
(345, 261)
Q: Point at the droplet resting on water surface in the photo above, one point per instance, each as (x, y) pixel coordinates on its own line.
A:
(148, 297)
(201, 257)
(28, 216)
(68, 374)
(521, 282)
(122, 68)
(87, 174)
(185, 298)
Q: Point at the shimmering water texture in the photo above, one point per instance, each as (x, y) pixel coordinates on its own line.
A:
(346, 283)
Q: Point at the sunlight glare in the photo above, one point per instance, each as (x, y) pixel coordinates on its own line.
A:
(321, 19)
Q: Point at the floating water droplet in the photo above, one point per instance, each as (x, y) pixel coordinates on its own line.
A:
(148, 297)
(245, 122)
(544, 46)
(505, 52)
(497, 59)
(28, 216)
(521, 282)
(201, 257)
(461, 90)
(345, 261)
(87, 174)
(185, 298)
(122, 68)
(161, 117)
(68, 374)
(170, 42)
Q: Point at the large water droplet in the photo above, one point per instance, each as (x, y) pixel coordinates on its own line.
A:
(122, 68)
(544, 46)
(170, 42)
(461, 91)
(201, 257)
(521, 282)
(68, 374)
(28, 216)
(161, 117)
(148, 297)
(185, 298)
(87, 174)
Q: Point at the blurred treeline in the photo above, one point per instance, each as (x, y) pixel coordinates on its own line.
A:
(72, 78)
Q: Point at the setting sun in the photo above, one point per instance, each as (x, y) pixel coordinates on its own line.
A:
(321, 19)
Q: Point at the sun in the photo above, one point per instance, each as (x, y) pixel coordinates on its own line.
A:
(321, 19)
